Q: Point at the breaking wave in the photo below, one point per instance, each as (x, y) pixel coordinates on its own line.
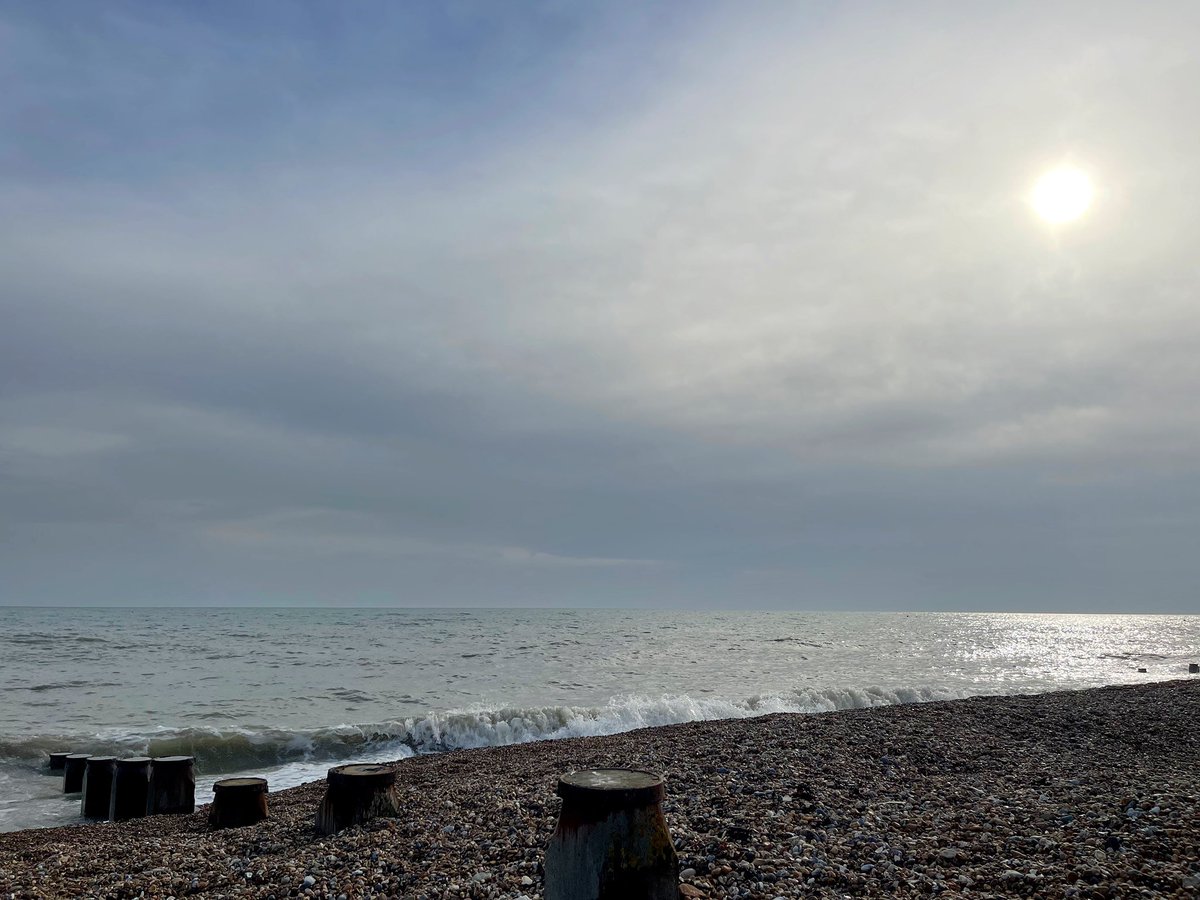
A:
(232, 749)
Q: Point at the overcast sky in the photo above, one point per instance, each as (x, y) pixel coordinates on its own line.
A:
(716, 305)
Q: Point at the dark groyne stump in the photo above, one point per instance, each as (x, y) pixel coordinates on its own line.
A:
(97, 786)
(355, 794)
(612, 841)
(1194, 668)
(237, 802)
(172, 788)
(130, 786)
(57, 761)
(73, 768)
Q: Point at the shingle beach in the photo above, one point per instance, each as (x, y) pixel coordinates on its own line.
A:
(1074, 794)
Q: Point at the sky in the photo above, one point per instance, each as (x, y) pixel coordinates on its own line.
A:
(616, 304)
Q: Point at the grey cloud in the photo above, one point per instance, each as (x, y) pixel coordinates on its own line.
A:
(783, 334)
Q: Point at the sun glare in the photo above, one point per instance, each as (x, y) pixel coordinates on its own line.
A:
(1062, 195)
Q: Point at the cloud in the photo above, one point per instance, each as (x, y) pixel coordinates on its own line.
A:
(758, 294)
(756, 274)
(55, 442)
(337, 533)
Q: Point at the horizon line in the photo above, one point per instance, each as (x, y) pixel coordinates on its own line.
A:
(680, 609)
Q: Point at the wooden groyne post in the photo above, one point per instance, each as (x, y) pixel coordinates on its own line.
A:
(612, 841)
(355, 794)
(1194, 669)
(172, 786)
(130, 786)
(97, 786)
(73, 768)
(57, 761)
(238, 801)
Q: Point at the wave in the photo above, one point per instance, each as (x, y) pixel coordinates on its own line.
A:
(218, 750)
(69, 685)
(232, 749)
(46, 639)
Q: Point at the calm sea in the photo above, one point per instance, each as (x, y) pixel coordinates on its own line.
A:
(287, 692)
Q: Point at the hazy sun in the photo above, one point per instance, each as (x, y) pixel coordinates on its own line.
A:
(1062, 195)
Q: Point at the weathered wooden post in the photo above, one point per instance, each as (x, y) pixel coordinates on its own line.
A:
(172, 785)
(355, 794)
(131, 784)
(612, 841)
(73, 767)
(238, 801)
(1194, 669)
(57, 760)
(97, 786)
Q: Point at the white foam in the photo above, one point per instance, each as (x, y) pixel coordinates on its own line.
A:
(290, 758)
(469, 728)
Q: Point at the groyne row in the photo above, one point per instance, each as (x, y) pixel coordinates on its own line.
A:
(120, 789)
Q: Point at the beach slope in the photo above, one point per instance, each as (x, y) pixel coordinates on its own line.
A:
(1075, 794)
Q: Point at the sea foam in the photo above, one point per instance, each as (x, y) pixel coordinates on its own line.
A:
(222, 750)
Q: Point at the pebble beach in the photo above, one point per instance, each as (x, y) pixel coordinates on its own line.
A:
(1092, 793)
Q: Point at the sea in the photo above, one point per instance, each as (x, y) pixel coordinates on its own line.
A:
(287, 693)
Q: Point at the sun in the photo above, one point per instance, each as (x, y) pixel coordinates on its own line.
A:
(1062, 195)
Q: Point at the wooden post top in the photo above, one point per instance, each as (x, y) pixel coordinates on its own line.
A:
(78, 756)
(364, 776)
(361, 769)
(612, 787)
(173, 760)
(245, 784)
(133, 761)
(101, 759)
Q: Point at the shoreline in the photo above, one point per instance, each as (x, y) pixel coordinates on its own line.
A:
(1089, 793)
